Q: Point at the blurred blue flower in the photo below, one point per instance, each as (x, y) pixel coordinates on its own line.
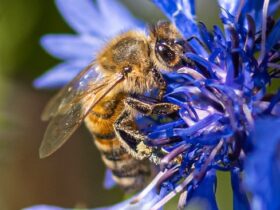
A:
(263, 165)
(93, 24)
(145, 204)
(222, 97)
(43, 207)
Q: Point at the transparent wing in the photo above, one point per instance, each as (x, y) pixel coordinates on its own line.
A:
(70, 106)
(84, 80)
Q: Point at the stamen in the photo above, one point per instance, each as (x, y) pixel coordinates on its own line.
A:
(241, 5)
(182, 200)
(273, 65)
(248, 115)
(275, 57)
(250, 38)
(195, 74)
(174, 192)
(149, 188)
(264, 22)
(174, 153)
(212, 155)
(166, 176)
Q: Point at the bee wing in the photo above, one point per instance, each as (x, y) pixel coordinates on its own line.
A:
(68, 112)
(69, 92)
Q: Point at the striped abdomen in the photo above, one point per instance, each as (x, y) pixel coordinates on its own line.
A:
(129, 173)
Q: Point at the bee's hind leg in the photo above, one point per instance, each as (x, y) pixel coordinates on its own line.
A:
(131, 139)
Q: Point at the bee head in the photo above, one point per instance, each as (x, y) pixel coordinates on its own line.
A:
(166, 52)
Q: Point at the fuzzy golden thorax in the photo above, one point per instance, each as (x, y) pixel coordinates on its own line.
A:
(129, 54)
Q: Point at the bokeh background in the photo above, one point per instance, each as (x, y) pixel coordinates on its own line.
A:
(73, 176)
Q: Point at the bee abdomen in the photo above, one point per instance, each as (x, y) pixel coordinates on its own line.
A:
(130, 174)
(133, 176)
(134, 179)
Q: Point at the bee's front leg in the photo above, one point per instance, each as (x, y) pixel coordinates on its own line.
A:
(158, 78)
(151, 108)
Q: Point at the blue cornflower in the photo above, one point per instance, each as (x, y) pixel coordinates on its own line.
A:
(222, 97)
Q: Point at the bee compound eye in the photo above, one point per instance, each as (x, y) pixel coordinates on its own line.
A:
(165, 52)
(127, 69)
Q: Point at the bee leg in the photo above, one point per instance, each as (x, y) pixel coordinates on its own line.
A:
(131, 139)
(160, 82)
(148, 108)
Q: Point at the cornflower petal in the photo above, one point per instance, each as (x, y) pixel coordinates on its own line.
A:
(240, 200)
(204, 193)
(108, 182)
(88, 21)
(230, 6)
(69, 47)
(117, 17)
(60, 75)
(262, 168)
(145, 204)
(44, 207)
(273, 37)
(252, 7)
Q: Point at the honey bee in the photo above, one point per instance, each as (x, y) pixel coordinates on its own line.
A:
(106, 94)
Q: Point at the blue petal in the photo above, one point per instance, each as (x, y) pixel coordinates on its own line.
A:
(205, 192)
(71, 46)
(252, 7)
(144, 204)
(206, 36)
(255, 8)
(117, 17)
(44, 207)
(170, 8)
(219, 35)
(274, 36)
(262, 168)
(60, 75)
(198, 127)
(204, 62)
(273, 6)
(82, 16)
(108, 182)
(240, 200)
(182, 15)
(230, 5)
(273, 104)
